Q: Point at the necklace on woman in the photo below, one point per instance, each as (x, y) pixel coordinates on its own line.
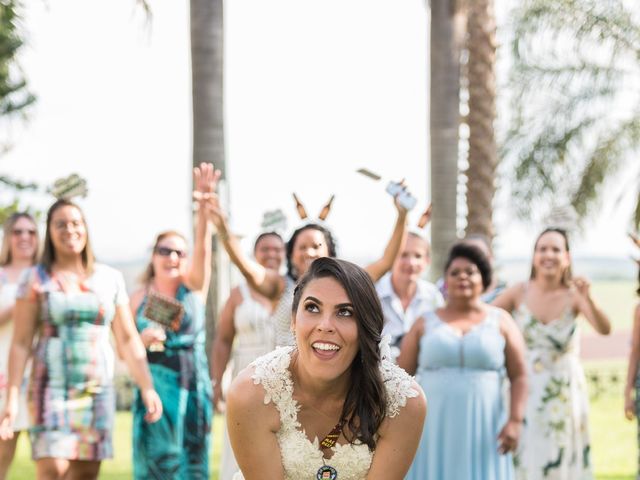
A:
(327, 472)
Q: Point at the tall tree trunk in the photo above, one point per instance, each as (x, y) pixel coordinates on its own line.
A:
(207, 49)
(483, 156)
(447, 31)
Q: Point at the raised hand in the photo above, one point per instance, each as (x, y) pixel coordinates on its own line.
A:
(582, 287)
(7, 418)
(205, 181)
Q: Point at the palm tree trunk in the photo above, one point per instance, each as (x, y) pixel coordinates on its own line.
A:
(207, 61)
(447, 28)
(483, 156)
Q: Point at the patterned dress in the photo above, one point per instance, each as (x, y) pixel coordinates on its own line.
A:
(302, 458)
(71, 397)
(555, 438)
(176, 446)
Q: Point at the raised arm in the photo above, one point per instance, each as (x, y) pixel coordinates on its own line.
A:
(586, 305)
(398, 440)
(410, 347)
(205, 179)
(632, 369)
(378, 268)
(222, 344)
(266, 282)
(26, 316)
(517, 372)
(135, 356)
(252, 428)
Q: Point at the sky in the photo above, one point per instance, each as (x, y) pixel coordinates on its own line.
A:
(313, 91)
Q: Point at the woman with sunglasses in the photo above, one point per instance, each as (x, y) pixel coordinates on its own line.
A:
(19, 252)
(555, 437)
(73, 303)
(177, 446)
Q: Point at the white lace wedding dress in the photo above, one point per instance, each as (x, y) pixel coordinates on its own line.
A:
(302, 458)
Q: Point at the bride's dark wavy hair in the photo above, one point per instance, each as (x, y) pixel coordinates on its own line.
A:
(365, 405)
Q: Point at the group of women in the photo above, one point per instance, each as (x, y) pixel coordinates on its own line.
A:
(330, 403)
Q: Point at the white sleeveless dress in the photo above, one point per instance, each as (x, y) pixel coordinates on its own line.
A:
(302, 458)
(7, 297)
(255, 336)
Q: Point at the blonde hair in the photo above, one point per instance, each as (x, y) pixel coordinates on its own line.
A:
(148, 273)
(567, 275)
(49, 251)
(5, 250)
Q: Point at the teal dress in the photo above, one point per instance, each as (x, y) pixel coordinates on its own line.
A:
(462, 378)
(177, 446)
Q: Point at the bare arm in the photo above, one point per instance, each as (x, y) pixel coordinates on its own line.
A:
(378, 268)
(517, 372)
(135, 356)
(6, 313)
(26, 316)
(632, 369)
(252, 428)
(222, 344)
(398, 440)
(591, 311)
(199, 274)
(509, 299)
(266, 282)
(410, 347)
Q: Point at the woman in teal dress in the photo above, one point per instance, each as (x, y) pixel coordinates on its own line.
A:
(177, 446)
(72, 303)
(459, 354)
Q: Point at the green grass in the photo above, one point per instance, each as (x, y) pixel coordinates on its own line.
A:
(120, 466)
(618, 300)
(613, 443)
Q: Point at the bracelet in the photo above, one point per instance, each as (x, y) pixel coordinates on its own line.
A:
(517, 420)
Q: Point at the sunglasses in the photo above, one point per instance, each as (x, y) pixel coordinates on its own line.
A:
(166, 252)
(23, 231)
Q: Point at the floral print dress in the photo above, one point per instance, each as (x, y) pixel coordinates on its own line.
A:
(555, 439)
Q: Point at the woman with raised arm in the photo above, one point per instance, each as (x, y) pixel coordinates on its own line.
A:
(170, 314)
(307, 243)
(19, 252)
(73, 303)
(555, 438)
(459, 354)
(245, 331)
(332, 406)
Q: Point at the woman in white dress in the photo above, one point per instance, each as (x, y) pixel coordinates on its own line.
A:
(245, 331)
(555, 438)
(331, 406)
(19, 251)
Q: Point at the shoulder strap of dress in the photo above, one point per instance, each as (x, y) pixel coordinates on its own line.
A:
(244, 291)
(398, 385)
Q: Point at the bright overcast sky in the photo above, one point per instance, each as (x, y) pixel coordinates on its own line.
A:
(313, 92)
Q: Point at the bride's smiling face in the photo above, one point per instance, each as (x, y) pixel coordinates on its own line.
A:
(326, 328)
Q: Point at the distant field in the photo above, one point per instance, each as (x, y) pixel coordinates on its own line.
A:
(618, 299)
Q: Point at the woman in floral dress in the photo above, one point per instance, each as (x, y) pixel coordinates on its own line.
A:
(555, 438)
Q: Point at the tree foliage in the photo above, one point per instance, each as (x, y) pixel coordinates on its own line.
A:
(14, 95)
(576, 102)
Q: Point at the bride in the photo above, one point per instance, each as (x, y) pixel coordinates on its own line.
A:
(331, 406)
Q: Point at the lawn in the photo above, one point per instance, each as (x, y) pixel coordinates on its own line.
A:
(613, 444)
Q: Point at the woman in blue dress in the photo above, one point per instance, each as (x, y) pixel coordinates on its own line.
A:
(459, 354)
(177, 446)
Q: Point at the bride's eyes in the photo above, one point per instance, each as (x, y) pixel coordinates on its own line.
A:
(311, 307)
(345, 312)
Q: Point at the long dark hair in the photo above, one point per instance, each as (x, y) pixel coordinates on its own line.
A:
(331, 245)
(567, 275)
(49, 252)
(365, 405)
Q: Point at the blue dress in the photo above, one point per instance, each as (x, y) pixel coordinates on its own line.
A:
(462, 378)
(176, 447)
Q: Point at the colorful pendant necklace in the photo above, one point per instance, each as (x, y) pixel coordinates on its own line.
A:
(327, 472)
